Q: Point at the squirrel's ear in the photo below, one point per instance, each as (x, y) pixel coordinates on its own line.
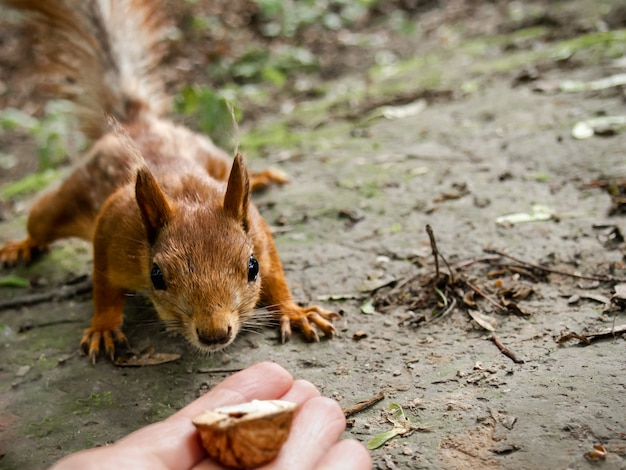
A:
(152, 203)
(237, 198)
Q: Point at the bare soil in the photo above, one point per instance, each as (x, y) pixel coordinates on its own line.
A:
(492, 136)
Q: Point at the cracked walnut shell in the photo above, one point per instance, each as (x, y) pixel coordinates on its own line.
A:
(246, 435)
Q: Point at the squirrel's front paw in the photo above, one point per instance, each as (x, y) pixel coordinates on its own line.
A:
(303, 318)
(92, 337)
(13, 252)
(268, 177)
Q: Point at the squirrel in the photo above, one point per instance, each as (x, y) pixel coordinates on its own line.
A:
(167, 211)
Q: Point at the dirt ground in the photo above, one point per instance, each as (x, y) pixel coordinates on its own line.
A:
(468, 123)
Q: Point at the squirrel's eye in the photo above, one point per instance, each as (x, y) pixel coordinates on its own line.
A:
(156, 276)
(253, 269)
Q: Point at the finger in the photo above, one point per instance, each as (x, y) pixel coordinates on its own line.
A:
(348, 454)
(316, 427)
(107, 457)
(175, 441)
(264, 381)
(301, 392)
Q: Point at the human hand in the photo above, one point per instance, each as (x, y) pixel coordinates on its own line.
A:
(174, 443)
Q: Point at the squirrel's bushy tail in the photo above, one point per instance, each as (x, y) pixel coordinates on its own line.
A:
(100, 54)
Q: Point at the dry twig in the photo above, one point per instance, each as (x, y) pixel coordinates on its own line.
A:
(363, 404)
(63, 293)
(401, 99)
(483, 294)
(436, 255)
(433, 248)
(555, 271)
(506, 351)
(587, 338)
(205, 370)
(469, 262)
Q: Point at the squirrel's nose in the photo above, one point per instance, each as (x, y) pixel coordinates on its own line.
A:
(215, 337)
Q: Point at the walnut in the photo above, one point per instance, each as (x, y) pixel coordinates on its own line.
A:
(246, 435)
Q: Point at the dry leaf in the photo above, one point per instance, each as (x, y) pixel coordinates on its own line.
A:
(603, 125)
(149, 358)
(521, 292)
(596, 454)
(496, 273)
(359, 335)
(513, 307)
(619, 297)
(485, 321)
(468, 298)
(576, 86)
(565, 338)
(537, 213)
(402, 111)
(597, 297)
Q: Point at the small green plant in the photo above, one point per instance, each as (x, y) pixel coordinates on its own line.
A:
(56, 141)
(53, 133)
(93, 401)
(287, 17)
(212, 113)
(29, 184)
(13, 280)
(262, 65)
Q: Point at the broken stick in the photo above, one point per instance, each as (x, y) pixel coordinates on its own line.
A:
(65, 292)
(587, 338)
(506, 351)
(437, 254)
(555, 271)
(363, 404)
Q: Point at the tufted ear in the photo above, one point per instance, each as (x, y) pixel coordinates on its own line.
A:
(155, 210)
(237, 197)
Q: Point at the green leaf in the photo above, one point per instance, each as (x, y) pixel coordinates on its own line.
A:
(378, 440)
(186, 101)
(271, 7)
(368, 308)
(273, 75)
(401, 426)
(11, 118)
(211, 111)
(31, 183)
(13, 280)
(398, 418)
(443, 297)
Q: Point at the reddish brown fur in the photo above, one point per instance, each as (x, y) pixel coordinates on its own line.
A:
(153, 195)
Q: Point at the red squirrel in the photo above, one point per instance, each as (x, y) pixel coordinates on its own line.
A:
(167, 211)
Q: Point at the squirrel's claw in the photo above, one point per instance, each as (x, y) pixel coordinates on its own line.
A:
(90, 342)
(322, 319)
(285, 328)
(303, 318)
